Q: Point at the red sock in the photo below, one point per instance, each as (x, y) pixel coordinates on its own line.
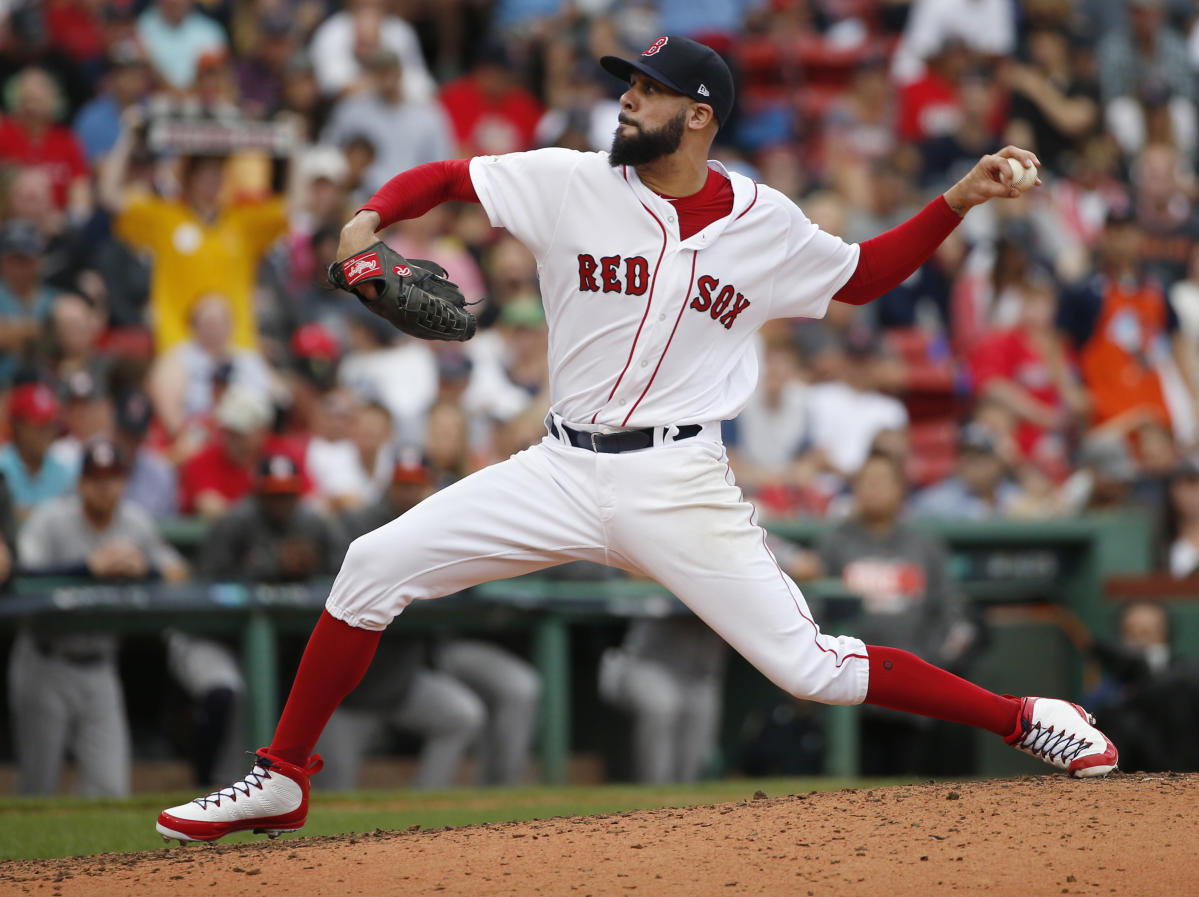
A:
(333, 664)
(902, 681)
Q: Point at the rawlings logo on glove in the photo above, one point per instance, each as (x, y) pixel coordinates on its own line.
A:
(413, 295)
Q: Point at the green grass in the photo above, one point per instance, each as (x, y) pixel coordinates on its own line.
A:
(39, 828)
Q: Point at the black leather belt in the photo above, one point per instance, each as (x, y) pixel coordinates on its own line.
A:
(620, 441)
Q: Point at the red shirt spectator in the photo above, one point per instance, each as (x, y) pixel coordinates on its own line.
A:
(489, 112)
(212, 471)
(74, 28)
(30, 137)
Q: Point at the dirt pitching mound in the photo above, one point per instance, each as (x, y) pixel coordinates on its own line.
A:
(1126, 835)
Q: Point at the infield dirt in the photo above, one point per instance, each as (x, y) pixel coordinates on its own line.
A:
(1132, 835)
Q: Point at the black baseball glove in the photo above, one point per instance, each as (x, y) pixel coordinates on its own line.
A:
(414, 296)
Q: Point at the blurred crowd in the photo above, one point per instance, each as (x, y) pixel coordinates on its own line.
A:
(174, 175)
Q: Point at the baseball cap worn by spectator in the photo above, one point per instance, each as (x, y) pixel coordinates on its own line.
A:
(133, 413)
(686, 67)
(316, 352)
(33, 403)
(278, 475)
(412, 468)
(103, 458)
(243, 411)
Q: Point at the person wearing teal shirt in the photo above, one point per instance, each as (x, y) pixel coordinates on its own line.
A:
(31, 472)
(25, 300)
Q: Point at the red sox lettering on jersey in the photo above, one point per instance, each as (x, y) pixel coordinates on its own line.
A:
(630, 276)
(646, 328)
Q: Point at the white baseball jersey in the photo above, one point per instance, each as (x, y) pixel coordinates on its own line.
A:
(646, 329)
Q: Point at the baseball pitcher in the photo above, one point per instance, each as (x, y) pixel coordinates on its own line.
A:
(657, 266)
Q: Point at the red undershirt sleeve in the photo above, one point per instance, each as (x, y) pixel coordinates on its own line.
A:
(889, 259)
(413, 192)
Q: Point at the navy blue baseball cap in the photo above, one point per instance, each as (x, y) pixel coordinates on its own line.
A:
(686, 67)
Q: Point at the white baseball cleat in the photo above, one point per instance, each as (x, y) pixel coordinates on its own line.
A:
(1063, 735)
(273, 798)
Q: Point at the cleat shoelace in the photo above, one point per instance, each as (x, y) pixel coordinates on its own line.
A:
(261, 770)
(1056, 747)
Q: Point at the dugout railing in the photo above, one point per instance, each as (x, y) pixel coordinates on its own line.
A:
(1010, 571)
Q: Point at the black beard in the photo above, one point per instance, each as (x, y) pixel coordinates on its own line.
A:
(648, 146)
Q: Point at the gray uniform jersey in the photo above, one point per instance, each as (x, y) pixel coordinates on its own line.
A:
(64, 689)
(57, 539)
(909, 600)
(245, 545)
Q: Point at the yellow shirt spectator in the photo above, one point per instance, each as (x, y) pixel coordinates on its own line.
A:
(193, 257)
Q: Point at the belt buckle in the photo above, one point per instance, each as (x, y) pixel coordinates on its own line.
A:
(595, 442)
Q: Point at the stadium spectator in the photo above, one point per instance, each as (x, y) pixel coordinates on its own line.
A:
(668, 675)
(25, 299)
(1103, 478)
(346, 38)
(175, 35)
(152, 482)
(33, 474)
(352, 470)
(978, 490)
(221, 473)
(381, 111)
(489, 110)
(64, 255)
(377, 358)
(987, 27)
(1146, 61)
(902, 576)
(1166, 213)
(929, 105)
(1027, 369)
(859, 130)
(270, 535)
(87, 412)
(846, 412)
(1149, 695)
(64, 690)
(1182, 514)
(199, 243)
(71, 344)
(769, 436)
(181, 379)
(1125, 334)
(1052, 107)
(29, 136)
(447, 444)
(126, 83)
(262, 70)
(311, 379)
(510, 374)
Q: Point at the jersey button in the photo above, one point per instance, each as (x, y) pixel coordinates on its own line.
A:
(661, 317)
(670, 218)
(622, 401)
(645, 364)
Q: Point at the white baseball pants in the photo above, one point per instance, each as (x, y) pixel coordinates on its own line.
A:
(671, 512)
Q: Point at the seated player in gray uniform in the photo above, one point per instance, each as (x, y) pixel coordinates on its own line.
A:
(668, 674)
(461, 693)
(268, 537)
(64, 690)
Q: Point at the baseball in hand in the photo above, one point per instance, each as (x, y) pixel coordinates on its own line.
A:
(1022, 178)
